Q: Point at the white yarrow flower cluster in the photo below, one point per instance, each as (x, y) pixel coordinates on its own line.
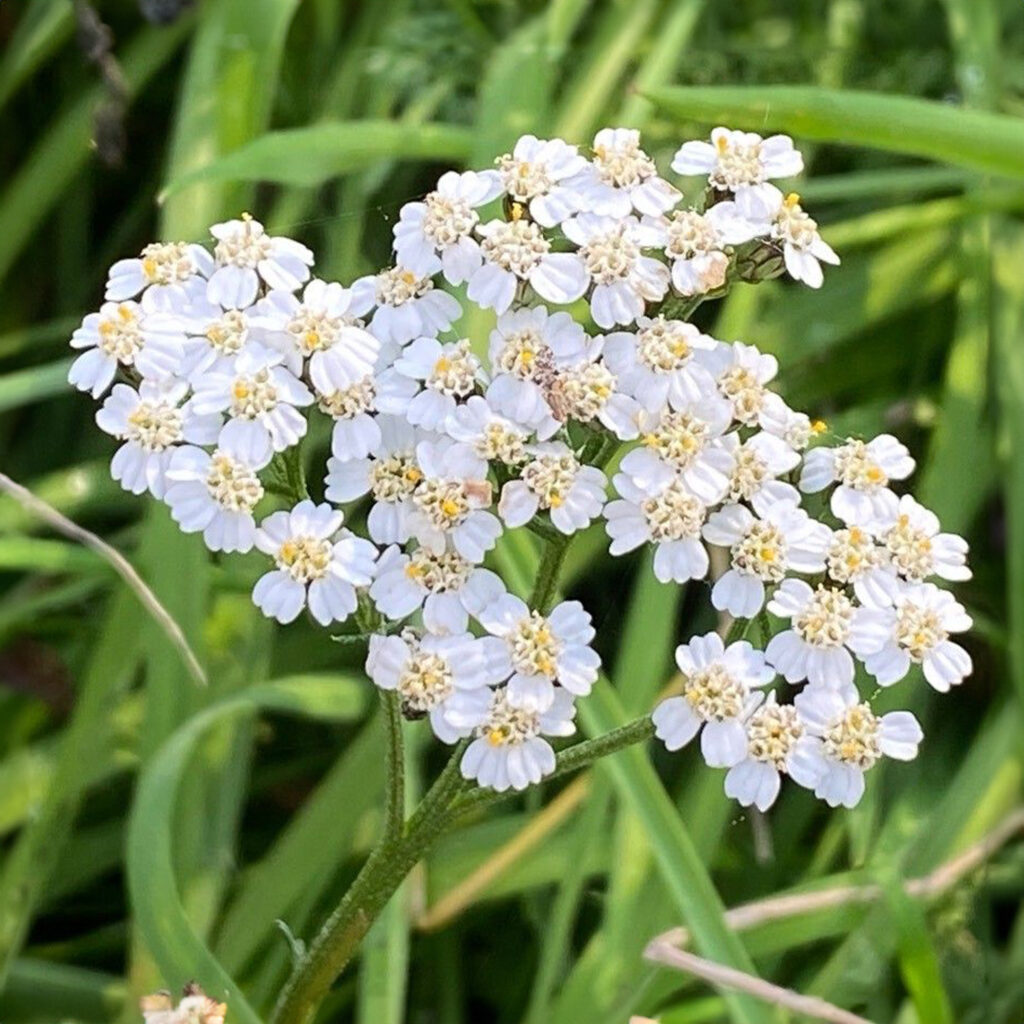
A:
(214, 363)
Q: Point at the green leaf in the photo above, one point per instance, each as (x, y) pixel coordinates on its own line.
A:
(310, 156)
(902, 124)
(159, 911)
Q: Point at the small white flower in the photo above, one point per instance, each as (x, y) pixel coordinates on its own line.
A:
(437, 233)
(322, 328)
(158, 275)
(826, 626)
(920, 621)
(428, 381)
(246, 255)
(850, 739)
(315, 565)
(517, 251)
(854, 558)
(542, 652)
(777, 744)
(736, 161)
(622, 178)
(553, 480)
(782, 219)
(658, 365)
(151, 422)
(757, 464)
(526, 348)
(119, 336)
(451, 502)
(356, 432)
(429, 674)
(509, 751)
(261, 400)
(720, 690)
(390, 473)
(405, 305)
(444, 585)
(611, 257)
(535, 174)
(687, 442)
(195, 1008)
(493, 437)
(795, 428)
(917, 549)
(863, 471)
(696, 243)
(742, 373)
(216, 494)
(762, 550)
(665, 514)
(588, 390)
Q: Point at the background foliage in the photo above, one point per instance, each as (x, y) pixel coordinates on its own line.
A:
(323, 117)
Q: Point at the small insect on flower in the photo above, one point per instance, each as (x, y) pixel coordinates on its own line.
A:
(721, 689)
(246, 257)
(537, 176)
(317, 565)
(543, 652)
(437, 233)
(433, 673)
(851, 739)
(863, 471)
(509, 751)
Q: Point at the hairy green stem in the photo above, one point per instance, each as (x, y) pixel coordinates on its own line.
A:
(545, 587)
(394, 807)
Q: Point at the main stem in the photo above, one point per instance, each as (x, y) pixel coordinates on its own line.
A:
(403, 844)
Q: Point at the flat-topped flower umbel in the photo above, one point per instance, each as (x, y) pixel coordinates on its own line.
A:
(534, 335)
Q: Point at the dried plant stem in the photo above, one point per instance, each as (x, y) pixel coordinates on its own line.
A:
(665, 949)
(728, 977)
(59, 522)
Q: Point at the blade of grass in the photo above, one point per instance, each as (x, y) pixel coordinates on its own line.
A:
(901, 124)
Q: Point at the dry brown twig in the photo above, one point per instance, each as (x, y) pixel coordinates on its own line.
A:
(59, 522)
(666, 948)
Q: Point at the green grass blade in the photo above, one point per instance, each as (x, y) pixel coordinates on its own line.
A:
(901, 124)
(315, 154)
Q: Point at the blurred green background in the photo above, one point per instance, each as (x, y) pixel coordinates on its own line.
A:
(322, 117)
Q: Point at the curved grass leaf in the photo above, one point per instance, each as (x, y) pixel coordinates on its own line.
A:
(159, 912)
(937, 131)
(313, 155)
